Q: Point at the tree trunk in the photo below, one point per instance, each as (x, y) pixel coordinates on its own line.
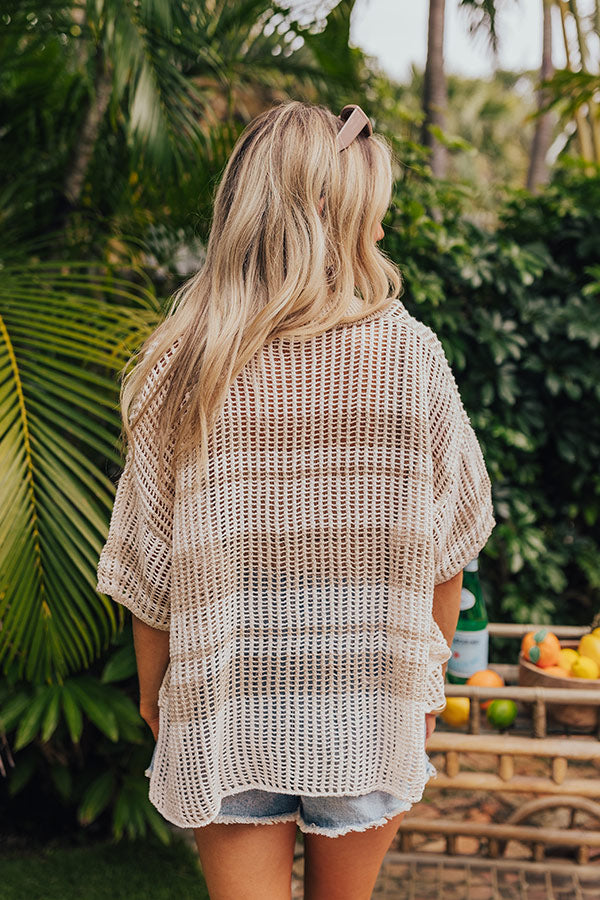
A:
(584, 57)
(537, 175)
(88, 135)
(583, 133)
(435, 96)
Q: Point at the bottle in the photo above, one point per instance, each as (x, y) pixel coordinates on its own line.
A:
(470, 646)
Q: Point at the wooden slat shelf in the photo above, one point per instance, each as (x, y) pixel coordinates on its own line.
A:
(510, 629)
(580, 747)
(518, 784)
(526, 694)
(564, 756)
(571, 838)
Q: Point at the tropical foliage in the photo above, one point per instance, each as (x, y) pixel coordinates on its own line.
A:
(516, 311)
(119, 118)
(117, 114)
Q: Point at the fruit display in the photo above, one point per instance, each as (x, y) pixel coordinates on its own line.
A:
(543, 661)
(543, 649)
(576, 667)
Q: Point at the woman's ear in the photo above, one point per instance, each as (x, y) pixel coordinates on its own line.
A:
(321, 205)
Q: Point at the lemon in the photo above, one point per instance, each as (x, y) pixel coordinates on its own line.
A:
(589, 646)
(596, 632)
(584, 667)
(502, 713)
(567, 657)
(457, 711)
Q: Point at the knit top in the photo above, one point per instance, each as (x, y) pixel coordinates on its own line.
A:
(296, 578)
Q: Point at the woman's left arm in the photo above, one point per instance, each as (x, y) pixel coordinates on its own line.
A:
(152, 656)
(134, 567)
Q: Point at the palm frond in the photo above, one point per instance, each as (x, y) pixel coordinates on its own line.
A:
(483, 15)
(66, 331)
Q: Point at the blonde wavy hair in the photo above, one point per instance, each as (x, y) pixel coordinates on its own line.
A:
(277, 265)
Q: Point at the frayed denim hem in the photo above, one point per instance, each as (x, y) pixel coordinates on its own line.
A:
(253, 820)
(338, 831)
(306, 828)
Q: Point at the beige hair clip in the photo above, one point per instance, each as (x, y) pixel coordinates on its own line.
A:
(356, 122)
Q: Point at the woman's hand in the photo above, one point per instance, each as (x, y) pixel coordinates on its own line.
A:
(152, 657)
(429, 725)
(150, 715)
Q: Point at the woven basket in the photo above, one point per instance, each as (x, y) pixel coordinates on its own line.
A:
(579, 716)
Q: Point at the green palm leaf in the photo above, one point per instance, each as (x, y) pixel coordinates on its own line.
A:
(65, 334)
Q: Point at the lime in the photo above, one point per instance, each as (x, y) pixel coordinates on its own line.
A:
(456, 712)
(502, 713)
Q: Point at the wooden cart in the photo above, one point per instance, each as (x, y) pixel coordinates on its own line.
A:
(556, 828)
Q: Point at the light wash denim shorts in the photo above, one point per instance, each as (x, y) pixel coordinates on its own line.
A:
(330, 816)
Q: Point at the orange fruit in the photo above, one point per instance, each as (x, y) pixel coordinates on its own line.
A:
(558, 671)
(541, 648)
(486, 678)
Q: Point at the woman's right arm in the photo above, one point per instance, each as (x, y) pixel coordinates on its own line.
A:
(446, 607)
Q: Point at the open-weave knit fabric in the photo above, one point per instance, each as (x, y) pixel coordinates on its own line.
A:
(296, 579)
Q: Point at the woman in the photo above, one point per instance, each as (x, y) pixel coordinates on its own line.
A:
(301, 492)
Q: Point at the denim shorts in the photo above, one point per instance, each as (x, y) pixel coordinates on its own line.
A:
(330, 816)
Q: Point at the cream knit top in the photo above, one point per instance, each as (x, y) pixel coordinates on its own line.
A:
(296, 580)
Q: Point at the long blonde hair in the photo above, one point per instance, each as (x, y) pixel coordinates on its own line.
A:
(276, 265)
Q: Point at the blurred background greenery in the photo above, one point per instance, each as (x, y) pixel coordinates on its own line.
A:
(117, 119)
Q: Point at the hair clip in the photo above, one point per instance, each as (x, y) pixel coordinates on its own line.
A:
(356, 122)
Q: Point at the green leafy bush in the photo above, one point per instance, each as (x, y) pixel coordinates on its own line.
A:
(517, 312)
(82, 745)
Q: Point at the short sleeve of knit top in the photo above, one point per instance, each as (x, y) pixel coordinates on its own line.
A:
(463, 513)
(135, 564)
